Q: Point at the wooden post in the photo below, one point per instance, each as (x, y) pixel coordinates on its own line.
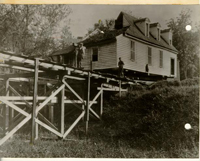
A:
(33, 129)
(12, 114)
(51, 113)
(101, 103)
(120, 85)
(46, 108)
(87, 104)
(83, 97)
(6, 111)
(62, 111)
(36, 131)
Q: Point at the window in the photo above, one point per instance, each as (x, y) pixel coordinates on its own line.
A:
(147, 29)
(158, 34)
(172, 66)
(95, 54)
(170, 42)
(149, 56)
(161, 59)
(132, 50)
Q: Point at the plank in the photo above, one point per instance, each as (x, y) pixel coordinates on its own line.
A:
(94, 113)
(74, 78)
(9, 134)
(62, 111)
(87, 104)
(48, 128)
(74, 124)
(68, 86)
(98, 94)
(114, 90)
(101, 103)
(14, 106)
(35, 94)
(7, 109)
(49, 98)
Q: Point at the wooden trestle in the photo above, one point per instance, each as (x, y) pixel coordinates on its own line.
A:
(61, 85)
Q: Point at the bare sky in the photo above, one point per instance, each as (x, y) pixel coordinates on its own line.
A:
(84, 16)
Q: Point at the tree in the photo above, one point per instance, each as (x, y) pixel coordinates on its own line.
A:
(31, 29)
(187, 43)
(105, 25)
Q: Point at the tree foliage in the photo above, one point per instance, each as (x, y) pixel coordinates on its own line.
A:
(187, 43)
(105, 25)
(33, 29)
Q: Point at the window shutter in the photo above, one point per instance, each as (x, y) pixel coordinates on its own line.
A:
(161, 59)
(132, 50)
(149, 56)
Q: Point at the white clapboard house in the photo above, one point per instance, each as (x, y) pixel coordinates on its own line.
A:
(137, 41)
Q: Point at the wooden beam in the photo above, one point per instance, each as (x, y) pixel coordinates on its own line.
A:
(95, 98)
(34, 101)
(6, 126)
(28, 104)
(87, 104)
(112, 90)
(14, 106)
(74, 78)
(49, 98)
(68, 86)
(101, 104)
(48, 128)
(53, 101)
(74, 124)
(9, 134)
(94, 113)
(46, 121)
(62, 111)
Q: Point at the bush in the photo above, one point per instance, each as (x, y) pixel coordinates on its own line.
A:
(165, 83)
(190, 82)
(157, 116)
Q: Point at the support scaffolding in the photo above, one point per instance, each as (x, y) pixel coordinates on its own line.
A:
(62, 86)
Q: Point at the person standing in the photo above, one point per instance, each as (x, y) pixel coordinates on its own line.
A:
(81, 52)
(121, 67)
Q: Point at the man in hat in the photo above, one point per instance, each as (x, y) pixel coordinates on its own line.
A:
(121, 67)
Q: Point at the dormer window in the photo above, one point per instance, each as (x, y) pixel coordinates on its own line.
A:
(155, 30)
(158, 34)
(167, 35)
(170, 42)
(143, 24)
(147, 30)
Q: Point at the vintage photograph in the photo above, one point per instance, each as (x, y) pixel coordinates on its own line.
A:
(99, 81)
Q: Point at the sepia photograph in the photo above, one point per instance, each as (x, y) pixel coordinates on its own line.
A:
(99, 81)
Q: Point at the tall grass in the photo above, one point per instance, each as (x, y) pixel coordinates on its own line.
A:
(156, 116)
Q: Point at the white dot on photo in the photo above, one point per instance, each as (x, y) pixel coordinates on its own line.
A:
(188, 126)
(188, 27)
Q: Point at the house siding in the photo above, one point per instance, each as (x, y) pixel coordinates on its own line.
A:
(107, 57)
(141, 54)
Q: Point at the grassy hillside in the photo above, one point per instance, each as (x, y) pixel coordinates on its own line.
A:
(156, 115)
(147, 122)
